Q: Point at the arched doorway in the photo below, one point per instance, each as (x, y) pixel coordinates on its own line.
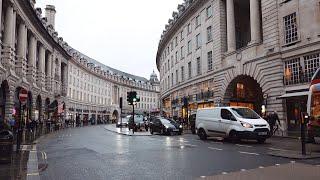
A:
(115, 116)
(4, 88)
(244, 91)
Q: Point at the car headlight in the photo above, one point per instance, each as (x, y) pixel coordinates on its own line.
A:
(118, 122)
(180, 126)
(166, 126)
(246, 125)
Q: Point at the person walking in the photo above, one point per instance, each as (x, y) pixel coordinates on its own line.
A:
(12, 123)
(273, 118)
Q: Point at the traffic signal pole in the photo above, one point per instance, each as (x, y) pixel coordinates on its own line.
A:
(134, 125)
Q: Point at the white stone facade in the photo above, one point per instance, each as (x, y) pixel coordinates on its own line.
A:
(32, 58)
(61, 82)
(242, 52)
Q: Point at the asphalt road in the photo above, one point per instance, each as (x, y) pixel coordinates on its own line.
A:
(94, 153)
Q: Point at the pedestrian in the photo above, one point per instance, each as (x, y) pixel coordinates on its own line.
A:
(12, 123)
(273, 118)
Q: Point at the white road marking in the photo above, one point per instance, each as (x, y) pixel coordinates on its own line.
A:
(213, 148)
(203, 176)
(241, 145)
(45, 155)
(243, 169)
(318, 165)
(276, 149)
(250, 153)
(191, 145)
(261, 167)
(224, 173)
(277, 164)
(292, 162)
(213, 142)
(33, 174)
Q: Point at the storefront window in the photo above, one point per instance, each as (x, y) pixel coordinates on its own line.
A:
(315, 105)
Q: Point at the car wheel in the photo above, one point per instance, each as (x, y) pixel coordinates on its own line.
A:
(233, 136)
(202, 134)
(261, 140)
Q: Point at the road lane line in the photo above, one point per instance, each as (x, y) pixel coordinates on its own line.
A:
(250, 153)
(261, 167)
(243, 170)
(277, 164)
(191, 145)
(224, 173)
(276, 149)
(213, 148)
(241, 145)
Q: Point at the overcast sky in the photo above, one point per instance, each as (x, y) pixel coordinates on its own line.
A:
(123, 34)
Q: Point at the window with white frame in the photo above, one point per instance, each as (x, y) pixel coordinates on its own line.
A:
(209, 11)
(189, 70)
(209, 33)
(181, 35)
(312, 63)
(177, 76)
(182, 73)
(182, 52)
(210, 67)
(171, 61)
(176, 41)
(198, 66)
(292, 71)
(189, 47)
(176, 57)
(198, 21)
(189, 28)
(198, 41)
(290, 28)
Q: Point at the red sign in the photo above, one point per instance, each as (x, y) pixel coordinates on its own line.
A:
(23, 95)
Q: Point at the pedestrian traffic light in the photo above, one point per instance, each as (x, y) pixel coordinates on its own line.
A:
(132, 97)
(129, 98)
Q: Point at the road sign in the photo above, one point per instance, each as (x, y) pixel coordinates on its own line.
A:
(23, 95)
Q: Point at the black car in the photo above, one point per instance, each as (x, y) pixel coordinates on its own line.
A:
(165, 126)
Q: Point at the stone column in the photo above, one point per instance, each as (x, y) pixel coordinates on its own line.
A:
(255, 21)
(9, 104)
(0, 28)
(22, 51)
(31, 72)
(231, 29)
(48, 70)
(8, 39)
(41, 70)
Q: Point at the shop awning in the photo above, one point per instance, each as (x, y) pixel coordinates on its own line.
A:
(288, 95)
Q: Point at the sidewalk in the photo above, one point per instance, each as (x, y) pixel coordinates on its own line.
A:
(292, 171)
(125, 131)
(291, 148)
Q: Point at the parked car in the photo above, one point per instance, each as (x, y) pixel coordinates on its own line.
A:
(165, 126)
(232, 122)
(124, 122)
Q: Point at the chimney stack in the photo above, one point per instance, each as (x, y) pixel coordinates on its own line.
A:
(50, 15)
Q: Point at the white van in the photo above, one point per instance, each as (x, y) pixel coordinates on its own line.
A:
(231, 122)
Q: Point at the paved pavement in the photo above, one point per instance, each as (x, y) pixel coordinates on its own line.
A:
(125, 131)
(95, 153)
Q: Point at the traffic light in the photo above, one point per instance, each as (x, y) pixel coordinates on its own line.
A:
(129, 98)
(132, 97)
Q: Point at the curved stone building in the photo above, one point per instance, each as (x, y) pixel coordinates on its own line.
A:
(255, 53)
(61, 83)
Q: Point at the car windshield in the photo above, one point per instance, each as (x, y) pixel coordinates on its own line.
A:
(245, 113)
(166, 121)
